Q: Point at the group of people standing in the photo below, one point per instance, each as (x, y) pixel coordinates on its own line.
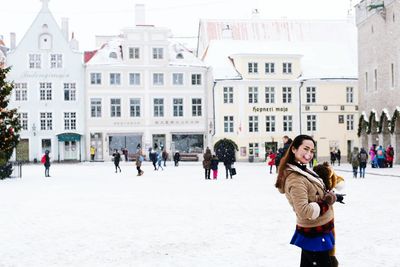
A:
(274, 158)
(211, 161)
(381, 157)
(336, 155)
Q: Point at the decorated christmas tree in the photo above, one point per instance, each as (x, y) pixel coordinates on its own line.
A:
(9, 125)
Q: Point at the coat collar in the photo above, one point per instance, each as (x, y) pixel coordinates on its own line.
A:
(311, 178)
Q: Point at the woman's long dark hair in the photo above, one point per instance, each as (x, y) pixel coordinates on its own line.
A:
(289, 158)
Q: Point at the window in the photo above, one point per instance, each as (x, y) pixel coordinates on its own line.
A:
(178, 107)
(287, 68)
(349, 94)
(253, 124)
(24, 120)
(269, 67)
(134, 107)
(228, 124)
(158, 107)
(253, 95)
(134, 52)
(56, 61)
(46, 121)
(21, 92)
(115, 78)
(270, 123)
(35, 61)
(287, 95)
(254, 150)
(158, 78)
(69, 120)
(177, 78)
(228, 95)
(287, 123)
(158, 53)
(253, 67)
(392, 73)
(350, 122)
(69, 92)
(311, 123)
(45, 91)
(95, 107)
(196, 107)
(115, 107)
(310, 94)
(95, 78)
(196, 79)
(341, 119)
(376, 79)
(134, 78)
(366, 82)
(269, 95)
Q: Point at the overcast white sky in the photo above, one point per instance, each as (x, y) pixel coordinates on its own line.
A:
(88, 18)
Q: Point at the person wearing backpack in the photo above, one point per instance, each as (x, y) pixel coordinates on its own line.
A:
(46, 163)
(380, 155)
(139, 160)
(355, 162)
(363, 158)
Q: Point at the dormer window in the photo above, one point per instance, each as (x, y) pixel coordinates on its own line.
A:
(179, 56)
(113, 55)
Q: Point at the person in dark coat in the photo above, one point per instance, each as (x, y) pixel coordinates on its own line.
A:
(207, 163)
(333, 158)
(214, 166)
(46, 163)
(228, 167)
(117, 159)
(338, 156)
(177, 158)
(153, 158)
(165, 156)
(363, 159)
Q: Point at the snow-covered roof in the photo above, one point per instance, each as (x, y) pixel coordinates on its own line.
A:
(328, 48)
(111, 53)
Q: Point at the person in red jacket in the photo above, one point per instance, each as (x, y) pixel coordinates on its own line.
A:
(271, 160)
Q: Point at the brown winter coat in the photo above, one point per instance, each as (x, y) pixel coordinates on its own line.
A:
(303, 191)
(207, 159)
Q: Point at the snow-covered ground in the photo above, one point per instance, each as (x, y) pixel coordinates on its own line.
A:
(88, 215)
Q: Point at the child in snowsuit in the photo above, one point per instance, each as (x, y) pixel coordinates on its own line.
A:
(214, 166)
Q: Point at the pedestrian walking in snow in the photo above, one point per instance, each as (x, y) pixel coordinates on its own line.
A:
(153, 158)
(338, 156)
(92, 153)
(177, 158)
(214, 166)
(165, 156)
(117, 159)
(333, 158)
(46, 163)
(228, 167)
(380, 154)
(311, 202)
(139, 160)
(271, 160)
(389, 156)
(363, 158)
(159, 161)
(355, 161)
(207, 163)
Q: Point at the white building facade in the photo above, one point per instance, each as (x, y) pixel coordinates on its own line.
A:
(47, 71)
(142, 91)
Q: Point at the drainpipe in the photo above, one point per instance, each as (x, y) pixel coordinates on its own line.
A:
(301, 85)
(213, 99)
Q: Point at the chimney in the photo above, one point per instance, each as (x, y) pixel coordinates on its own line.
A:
(64, 28)
(140, 14)
(13, 40)
(255, 13)
(74, 44)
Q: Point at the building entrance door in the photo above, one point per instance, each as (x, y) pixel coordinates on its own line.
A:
(70, 151)
(159, 139)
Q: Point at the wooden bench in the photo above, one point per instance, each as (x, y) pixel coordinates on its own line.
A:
(189, 157)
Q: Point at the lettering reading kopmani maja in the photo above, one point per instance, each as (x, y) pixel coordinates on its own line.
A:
(271, 109)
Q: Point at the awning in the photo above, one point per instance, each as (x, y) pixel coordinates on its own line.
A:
(68, 137)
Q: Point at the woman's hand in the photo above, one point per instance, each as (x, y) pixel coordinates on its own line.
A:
(329, 198)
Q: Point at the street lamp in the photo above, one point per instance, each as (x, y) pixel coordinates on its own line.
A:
(34, 129)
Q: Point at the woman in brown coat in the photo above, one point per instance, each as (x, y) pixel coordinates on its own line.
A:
(207, 163)
(310, 201)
